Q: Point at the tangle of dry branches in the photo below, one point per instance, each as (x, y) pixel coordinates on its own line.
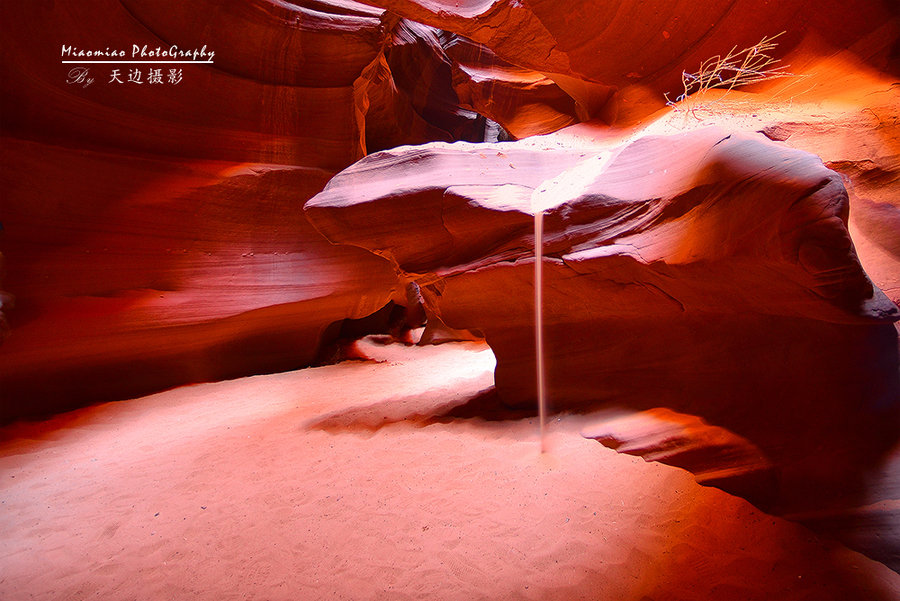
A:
(735, 69)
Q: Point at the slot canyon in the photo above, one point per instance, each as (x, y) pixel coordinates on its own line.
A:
(276, 322)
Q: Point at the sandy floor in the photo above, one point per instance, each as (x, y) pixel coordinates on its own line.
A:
(343, 482)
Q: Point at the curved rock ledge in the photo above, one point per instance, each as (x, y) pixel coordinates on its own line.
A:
(708, 272)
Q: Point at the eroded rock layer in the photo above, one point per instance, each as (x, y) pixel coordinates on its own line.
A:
(714, 455)
(143, 273)
(708, 272)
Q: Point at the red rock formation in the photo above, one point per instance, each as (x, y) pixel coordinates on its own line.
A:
(304, 83)
(622, 56)
(151, 236)
(657, 202)
(152, 233)
(715, 456)
(840, 110)
(523, 101)
(707, 272)
(142, 273)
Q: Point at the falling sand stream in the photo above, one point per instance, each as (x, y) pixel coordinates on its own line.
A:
(539, 323)
(568, 185)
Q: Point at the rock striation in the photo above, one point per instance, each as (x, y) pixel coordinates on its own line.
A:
(144, 273)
